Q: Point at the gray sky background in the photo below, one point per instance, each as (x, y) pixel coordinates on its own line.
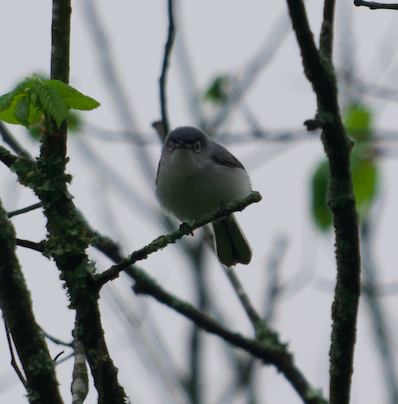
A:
(222, 36)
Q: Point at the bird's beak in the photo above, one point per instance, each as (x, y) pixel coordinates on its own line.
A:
(182, 145)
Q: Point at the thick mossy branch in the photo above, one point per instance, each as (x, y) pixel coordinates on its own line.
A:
(185, 229)
(319, 70)
(68, 237)
(67, 233)
(16, 305)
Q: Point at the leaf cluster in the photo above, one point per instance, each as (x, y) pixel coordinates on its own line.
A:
(34, 98)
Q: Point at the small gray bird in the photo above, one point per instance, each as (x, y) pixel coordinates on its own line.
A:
(197, 176)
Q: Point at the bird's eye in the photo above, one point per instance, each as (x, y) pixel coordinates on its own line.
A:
(198, 146)
(171, 145)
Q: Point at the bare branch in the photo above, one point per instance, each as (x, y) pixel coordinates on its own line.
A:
(268, 348)
(13, 360)
(56, 340)
(378, 316)
(376, 6)
(243, 297)
(31, 245)
(163, 77)
(24, 210)
(12, 142)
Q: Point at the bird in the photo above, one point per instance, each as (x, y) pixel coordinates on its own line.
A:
(197, 176)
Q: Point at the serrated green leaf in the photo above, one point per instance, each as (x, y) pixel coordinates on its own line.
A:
(22, 109)
(23, 85)
(8, 115)
(51, 101)
(320, 210)
(21, 89)
(6, 100)
(73, 98)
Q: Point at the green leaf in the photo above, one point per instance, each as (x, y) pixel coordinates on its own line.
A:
(24, 85)
(8, 115)
(364, 177)
(320, 210)
(218, 90)
(22, 109)
(6, 100)
(51, 101)
(358, 122)
(73, 98)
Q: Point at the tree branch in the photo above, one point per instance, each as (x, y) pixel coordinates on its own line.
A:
(6, 157)
(376, 6)
(268, 348)
(68, 240)
(163, 241)
(326, 38)
(163, 77)
(145, 284)
(24, 210)
(341, 199)
(12, 142)
(254, 317)
(14, 363)
(15, 302)
(31, 245)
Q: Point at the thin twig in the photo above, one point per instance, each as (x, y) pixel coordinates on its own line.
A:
(107, 63)
(13, 360)
(31, 245)
(163, 77)
(57, 356)
(273, 270)
(196, 341)
(378, 317)
(245, 80)
(56, 340)
(24, 210)
(163, 241)
(376, 6)
(12, 142)
(243, 297)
